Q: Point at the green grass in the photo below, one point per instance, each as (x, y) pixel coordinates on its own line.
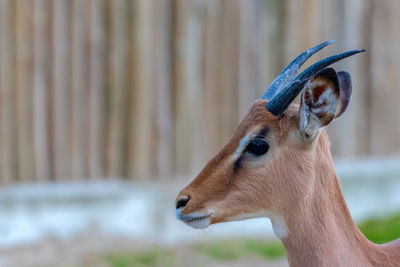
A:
(154, 257)
(383, 229)
(229, 250)
(221, 250)
(268, 250)
(226, 250)
(378, 230)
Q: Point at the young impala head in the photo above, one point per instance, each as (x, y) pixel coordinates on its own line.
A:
(267, 169)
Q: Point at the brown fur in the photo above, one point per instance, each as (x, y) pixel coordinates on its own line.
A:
(295, 180)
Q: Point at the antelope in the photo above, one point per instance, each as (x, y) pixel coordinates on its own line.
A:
(278, 165)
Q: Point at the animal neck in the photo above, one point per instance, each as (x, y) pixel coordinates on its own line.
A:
(321, 231)
(324, 234)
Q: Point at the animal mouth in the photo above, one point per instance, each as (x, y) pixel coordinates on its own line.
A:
(199, 223)
(195, 220)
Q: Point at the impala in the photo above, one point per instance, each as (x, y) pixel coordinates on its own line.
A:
(278, 165)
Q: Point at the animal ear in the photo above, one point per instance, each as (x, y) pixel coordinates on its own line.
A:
(345, 88)
(325, 97)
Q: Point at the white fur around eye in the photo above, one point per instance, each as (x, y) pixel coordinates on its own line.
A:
(242, 146)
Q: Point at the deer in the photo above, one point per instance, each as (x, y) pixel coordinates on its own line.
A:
(278, 165)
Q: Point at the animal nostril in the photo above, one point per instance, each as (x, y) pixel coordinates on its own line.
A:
(182, 202)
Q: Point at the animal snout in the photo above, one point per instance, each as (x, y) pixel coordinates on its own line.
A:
(182, 201)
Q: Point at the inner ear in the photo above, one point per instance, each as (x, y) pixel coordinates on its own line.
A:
(319, 101)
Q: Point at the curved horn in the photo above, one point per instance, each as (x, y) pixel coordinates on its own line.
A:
(288, 73)
(282, 100)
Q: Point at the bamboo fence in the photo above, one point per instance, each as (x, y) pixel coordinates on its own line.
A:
(147, 89)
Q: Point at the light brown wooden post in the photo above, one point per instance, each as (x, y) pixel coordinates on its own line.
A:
(162, 68)
(260, 48)
(228, 114)
(385, 69)
(332, 23)
(80, 23)
(211, 88)
(24, 89)
(248, 57)
(182, 155)
(61, 134)
(351, 133)
(302, 29)
(117, 124)
(41, 21)
(143, 115)
(269, 48)
(292, 29)
(7, 96)
(96, 87)
(188, 85)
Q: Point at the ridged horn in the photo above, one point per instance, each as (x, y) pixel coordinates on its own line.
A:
(290, 71)
(281, 101)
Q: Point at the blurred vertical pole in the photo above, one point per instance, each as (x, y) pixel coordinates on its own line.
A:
(162, 41)
(188, 85)
(96, 87)
(7, 97)
(269, 46)
(247, 58)
(353, 138)
(293, 29)
(41, 21)
(348, 22)
(211, 105)
(24, 89)
(117, 124)
(80, 76)
(229, 76)
(384, 72)
(61, 90)
(193, 80)
(332, 22)
(333, 25)
(303, 27)
(143, 101)
(182, 155)
(260, 48)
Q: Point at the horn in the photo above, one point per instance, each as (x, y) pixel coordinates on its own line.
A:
(289, 72)
(280, 102)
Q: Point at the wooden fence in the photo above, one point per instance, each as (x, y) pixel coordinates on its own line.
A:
(152, 88)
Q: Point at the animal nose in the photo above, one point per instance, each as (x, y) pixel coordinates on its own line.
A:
(182, 202)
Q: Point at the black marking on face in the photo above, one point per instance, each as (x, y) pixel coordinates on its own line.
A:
(237, 164)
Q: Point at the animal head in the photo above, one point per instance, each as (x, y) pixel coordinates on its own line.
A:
(264, 170)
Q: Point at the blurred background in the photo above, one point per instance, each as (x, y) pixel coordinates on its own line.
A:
(109, 107)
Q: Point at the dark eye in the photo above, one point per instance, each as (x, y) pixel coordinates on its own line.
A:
(257, 147)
